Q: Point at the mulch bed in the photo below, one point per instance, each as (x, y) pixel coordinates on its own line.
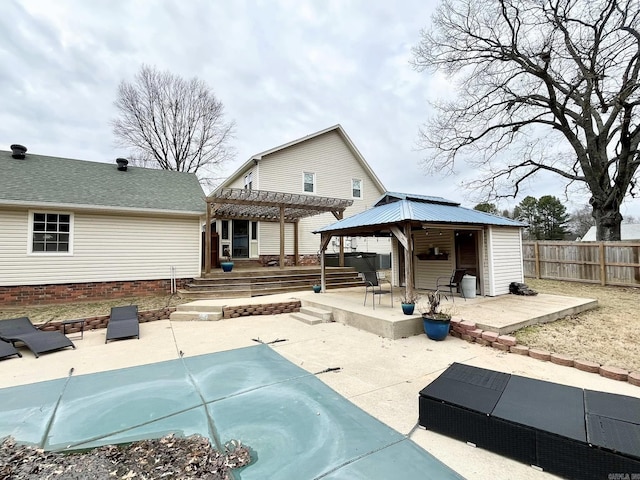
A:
(169, 457)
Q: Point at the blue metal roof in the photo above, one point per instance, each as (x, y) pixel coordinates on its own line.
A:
(418, 209)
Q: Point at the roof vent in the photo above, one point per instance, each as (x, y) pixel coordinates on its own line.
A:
(18, 151)
(122, 164)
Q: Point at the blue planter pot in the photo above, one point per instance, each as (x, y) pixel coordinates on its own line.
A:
(226, 266)
(407, 308)
(436, 329)
(317, 288)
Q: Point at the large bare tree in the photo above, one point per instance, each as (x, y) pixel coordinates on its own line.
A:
(173, 124)
(543, 85)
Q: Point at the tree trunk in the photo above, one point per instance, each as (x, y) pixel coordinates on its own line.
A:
(608, 220)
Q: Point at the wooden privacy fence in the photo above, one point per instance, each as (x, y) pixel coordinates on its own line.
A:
(606, 263)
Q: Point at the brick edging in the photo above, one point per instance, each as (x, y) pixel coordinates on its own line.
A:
(470, 332)
(94, 323)
(236, 311)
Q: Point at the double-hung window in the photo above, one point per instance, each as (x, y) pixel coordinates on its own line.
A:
(356, 188)
(248, 181)
(51, 232)
(309, 182)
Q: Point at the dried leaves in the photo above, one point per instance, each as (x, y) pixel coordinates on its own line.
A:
(165, 458)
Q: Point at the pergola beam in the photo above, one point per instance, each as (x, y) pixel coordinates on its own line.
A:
(267, 206)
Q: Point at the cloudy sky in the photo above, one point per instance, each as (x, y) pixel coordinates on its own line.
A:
(282, 68)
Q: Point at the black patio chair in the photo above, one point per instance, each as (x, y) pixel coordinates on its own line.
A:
(453, 281)
(38, 341)
(123, 323)
(7, 349)
(372, 284)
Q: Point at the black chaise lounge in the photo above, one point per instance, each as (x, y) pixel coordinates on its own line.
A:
(7, 349)
(123, 323)
(38, 341)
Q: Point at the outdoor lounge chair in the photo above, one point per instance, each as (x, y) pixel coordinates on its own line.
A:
(453, 281)
(7, 349)
(123, 323)
(372, 284)
(38, 341)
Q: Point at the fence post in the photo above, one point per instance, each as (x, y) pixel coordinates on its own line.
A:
(603, 269)
(536, 253)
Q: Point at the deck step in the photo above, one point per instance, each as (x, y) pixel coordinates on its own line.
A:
(313, 315)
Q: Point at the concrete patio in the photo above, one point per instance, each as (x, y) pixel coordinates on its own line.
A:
(380, 375)
(502, 314)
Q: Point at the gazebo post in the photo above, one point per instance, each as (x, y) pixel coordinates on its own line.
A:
(324, 241)
(408, 261)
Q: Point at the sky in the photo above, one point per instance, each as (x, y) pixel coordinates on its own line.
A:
(282, 68)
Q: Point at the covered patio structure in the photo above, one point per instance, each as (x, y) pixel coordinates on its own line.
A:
(267, 206)
(433, 236)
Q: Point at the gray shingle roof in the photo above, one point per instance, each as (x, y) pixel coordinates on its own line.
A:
(402, 207)
(43, 180)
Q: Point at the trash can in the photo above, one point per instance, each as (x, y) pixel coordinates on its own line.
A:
(468, 286)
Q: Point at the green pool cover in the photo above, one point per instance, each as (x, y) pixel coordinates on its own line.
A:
(296, 426)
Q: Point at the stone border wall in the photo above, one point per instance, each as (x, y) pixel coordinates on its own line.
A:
(25, 295)
(94, 323)
(236, 311)
(468, 331)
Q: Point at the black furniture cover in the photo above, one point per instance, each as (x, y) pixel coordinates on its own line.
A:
(575, 433)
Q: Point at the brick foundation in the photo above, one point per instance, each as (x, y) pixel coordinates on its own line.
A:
(72, 292)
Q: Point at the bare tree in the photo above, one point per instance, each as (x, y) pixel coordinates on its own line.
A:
(544, 85)
(173, 124)
(581, 221)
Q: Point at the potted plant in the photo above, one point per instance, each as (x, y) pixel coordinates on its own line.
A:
(317, 288)
(408, 302)
(227, 266)
(435, 321)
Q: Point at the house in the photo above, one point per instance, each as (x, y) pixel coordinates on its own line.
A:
(316, 169)
(433, 236)
(628, 232)
(74, 229)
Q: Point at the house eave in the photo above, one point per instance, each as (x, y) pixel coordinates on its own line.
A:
(100, 208)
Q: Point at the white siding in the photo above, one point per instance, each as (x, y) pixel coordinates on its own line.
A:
(106, 248)
(427, 271)
(506, 258)
(334, 165)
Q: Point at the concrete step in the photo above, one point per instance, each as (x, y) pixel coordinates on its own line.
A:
(190, 307)
(305, 318)
(325, 315)
(313, 315)
(192, 315)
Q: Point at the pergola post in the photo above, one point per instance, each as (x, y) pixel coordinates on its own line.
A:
(281, 236)
(296, 250)
(207, 240)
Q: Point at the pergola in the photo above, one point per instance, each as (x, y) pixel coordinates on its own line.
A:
(266, 206)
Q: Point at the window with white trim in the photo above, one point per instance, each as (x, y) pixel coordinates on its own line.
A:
(309, 182)
(248, 181)
(356, 188)
(51, 232)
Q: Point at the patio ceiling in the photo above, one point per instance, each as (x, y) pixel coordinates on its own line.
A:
(266, 206)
